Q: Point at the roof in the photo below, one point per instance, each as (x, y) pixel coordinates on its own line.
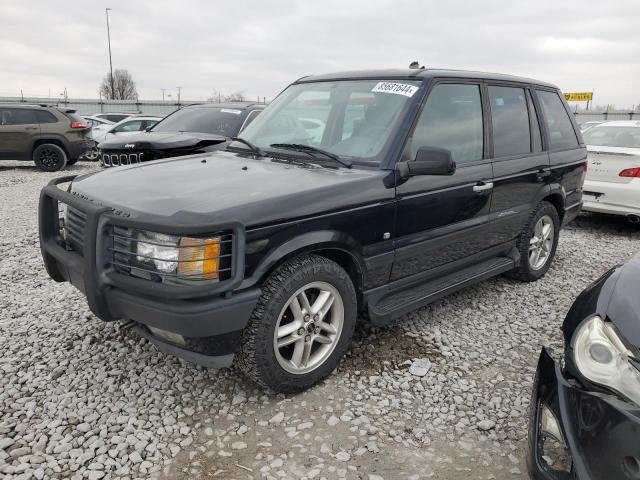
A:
(234, 105)
(619, 123)
(420, 74)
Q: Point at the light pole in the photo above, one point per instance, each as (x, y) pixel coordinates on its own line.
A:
(113, 91)
(178, 96)
(162, 94)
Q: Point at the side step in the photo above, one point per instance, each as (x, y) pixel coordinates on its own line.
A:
(396, 304)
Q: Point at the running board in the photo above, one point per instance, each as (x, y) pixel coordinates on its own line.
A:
(396, 304)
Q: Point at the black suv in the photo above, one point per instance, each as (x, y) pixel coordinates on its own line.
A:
(192, 129)
(53, 137)
(414, 184)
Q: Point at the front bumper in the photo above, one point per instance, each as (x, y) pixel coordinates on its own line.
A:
(210, 318)
(600, 431)
(612, 198)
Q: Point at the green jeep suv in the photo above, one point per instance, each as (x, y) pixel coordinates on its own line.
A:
(53, 137)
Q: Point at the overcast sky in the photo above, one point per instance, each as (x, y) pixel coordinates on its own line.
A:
(259, 46)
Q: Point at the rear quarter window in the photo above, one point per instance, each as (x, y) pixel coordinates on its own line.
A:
(46, 117)
(557, 120)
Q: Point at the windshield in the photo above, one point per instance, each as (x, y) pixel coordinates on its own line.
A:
(219, 121)
(605, 136)
(351, 119)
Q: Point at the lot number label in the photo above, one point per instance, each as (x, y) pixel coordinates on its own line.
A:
(397, 88)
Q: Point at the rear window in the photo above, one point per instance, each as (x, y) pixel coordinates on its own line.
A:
(218, 121)
(74, 117)
(604, 136)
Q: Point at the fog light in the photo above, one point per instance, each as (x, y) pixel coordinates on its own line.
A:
(549, 425)
(168, 336)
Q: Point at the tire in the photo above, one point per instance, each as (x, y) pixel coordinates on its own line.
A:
(49, 157)
(71, 161)
(281, 306)
(529, 269)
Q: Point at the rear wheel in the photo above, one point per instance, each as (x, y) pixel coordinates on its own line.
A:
(537, 243)
(302, 325)
(49, 157)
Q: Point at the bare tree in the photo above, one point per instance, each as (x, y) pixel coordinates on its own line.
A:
(124, 88)
(222, 97)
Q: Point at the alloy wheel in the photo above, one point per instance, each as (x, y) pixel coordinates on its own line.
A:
(49, 158)
(308, 327)
(541, 242)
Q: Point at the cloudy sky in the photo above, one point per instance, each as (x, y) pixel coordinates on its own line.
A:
(259, 46)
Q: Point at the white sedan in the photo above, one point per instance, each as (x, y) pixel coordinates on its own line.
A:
(612, 184)
(127, 126)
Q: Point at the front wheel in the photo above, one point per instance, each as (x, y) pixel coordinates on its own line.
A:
(302, 325)
(537, 243)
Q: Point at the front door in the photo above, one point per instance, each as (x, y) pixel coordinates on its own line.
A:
(442, 219)
(18, 126)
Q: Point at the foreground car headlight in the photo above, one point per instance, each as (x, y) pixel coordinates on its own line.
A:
(602, 358)
(186, 258)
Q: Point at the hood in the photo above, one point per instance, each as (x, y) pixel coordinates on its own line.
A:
(614, 297)
(226, 187)
(163, 140)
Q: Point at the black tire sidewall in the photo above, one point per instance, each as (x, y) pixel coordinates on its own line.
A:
(545, 208)
(299, 273)
(61, 155)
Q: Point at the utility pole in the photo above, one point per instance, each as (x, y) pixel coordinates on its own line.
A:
(178, 96)
(113, 91)
(162, 94)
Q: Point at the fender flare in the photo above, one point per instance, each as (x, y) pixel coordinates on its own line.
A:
(50, 136)
(307, 243)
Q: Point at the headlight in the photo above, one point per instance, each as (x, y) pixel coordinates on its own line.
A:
(186, 258)
(602, 358)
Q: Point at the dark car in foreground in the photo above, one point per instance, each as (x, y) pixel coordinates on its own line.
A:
(52, 137)
(412, 184)
(585, 413)
(190, 130)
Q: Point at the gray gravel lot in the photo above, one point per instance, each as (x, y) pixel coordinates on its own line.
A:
(80, 398)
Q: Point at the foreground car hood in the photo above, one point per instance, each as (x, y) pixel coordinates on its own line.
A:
(614, 296)
(231, 187)
(162, 140)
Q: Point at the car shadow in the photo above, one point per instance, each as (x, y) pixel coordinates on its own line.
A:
(607, 224)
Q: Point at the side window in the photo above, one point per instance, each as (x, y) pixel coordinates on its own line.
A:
(536, 136)
(561, 133)
(250, 118)
(510, 120)
(45, 117)
(18, 116)
(133, 126)
(451, 119)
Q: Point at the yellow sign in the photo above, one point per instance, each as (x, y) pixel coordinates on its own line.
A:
(579, 97)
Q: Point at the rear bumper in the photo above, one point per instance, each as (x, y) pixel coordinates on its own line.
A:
(78, 148)
(209, 321)
(600, 431)
(613, 198)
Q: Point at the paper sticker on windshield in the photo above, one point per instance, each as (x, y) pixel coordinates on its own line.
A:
(228, 110)
(394, 87)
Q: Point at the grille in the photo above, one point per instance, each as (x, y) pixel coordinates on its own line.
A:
(126, 259)
(115, 159)
(72, 227)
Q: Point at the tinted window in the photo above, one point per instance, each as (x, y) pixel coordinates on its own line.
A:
(17, 116)
(561, 133)
(45, 117)
(510, 119)
(536, 136)
(219, 121)
(451, 119)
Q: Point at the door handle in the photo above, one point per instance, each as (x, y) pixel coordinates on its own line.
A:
(542, 174)
(482, 187)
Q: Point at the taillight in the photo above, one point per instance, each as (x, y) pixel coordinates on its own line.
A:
(630, 172)
(79, 125)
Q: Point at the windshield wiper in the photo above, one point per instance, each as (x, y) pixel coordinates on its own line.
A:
(255, 149)
(299, 147)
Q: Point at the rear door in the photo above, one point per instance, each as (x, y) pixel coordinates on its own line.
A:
(442, 219)
(520, 166)
(18, 127)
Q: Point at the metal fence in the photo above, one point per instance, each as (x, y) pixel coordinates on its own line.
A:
(93, 106)
(583, 116)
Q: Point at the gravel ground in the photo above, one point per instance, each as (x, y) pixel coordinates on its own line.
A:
(442, 394)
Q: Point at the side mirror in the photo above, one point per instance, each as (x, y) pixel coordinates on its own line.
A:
(429, 161)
